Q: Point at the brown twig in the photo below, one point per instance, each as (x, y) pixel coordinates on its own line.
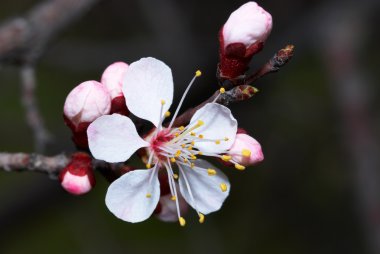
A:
(52, 165)
(33, 116)
(33, 162)
(273, 65)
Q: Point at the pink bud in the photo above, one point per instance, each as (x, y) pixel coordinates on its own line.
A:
(77, 177)
(246, 150)
(242, 36)
(249, 24)
(86, 102)
(112, 78)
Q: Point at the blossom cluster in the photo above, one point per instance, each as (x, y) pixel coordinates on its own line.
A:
(177, 172)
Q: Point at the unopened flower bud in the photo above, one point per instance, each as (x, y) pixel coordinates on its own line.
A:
(242, 36)
(246, 150)
(86, 102)
(77, 177)
(112, 79)
(166, 209)
(83, 105)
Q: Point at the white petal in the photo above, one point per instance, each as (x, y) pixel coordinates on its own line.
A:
(146, 83)
(218, 125)
(126, 197)
(207, 193)
(113, 138)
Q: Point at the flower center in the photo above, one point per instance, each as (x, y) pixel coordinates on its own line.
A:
(158, 142)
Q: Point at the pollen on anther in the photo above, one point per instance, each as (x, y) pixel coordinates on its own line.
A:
(223, 187)
(167, 113)
(175, 176)
(148, 195)
(246, 152)
(222, 90)
(173, 198)
(200, 136)
(217, 142)
(226, 157)
(201, 217)
(192, 165)
(193, 157)
(182, 221)
(163, 102)
(198, 73)
(148, 165)
(226, 139)
(172, 159)
(181, 128)
(192, 133)
(211, 172)
(200, 153)
(239, 167)
(200, 123)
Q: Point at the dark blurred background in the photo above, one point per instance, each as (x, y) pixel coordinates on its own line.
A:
(317, 190)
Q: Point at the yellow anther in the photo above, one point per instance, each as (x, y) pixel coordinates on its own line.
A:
(176, 134)
(223, 187)
(148, 165)
(192, 165)
(222, 90)
(167, 113)
(192, 143)
(185, 160)
(163, 102)
(148, 195)
(175, 176)
(193, 157)
(173, 198)
(181, 128)
(201, 217)
(182, 221)
(178, 153)
(200, 123)
(211, 172)
(172, 159)
(226, 139)
(190, 148)
(200, 136)
(183, 145)
(198, 73)
(239, 167)
(200, 153)
(226, 157)
(217, 141)
(192, 133)
(246, 152)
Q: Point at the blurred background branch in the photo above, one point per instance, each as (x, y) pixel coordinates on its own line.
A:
(24, 39)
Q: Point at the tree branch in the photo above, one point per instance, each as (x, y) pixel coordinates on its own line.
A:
(33, 116)
(23, 39)
(52, 165)
(273, 65)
